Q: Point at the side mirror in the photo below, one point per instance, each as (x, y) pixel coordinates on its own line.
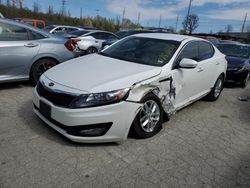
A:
(188, 63)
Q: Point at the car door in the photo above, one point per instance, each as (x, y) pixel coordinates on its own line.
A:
(16, 50)
(187, 82)
(207, 65)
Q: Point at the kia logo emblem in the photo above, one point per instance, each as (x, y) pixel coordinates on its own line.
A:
(51, 84)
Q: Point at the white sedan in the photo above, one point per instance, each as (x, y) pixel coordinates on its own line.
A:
(91, 42)
(131, 85)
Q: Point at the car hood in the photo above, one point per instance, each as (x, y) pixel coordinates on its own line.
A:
(96, 73)
(235, 61)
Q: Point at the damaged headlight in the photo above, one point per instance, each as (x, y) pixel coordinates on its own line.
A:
(98, 99)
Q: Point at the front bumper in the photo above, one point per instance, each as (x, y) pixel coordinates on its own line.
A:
(118, 116)
(234, 75)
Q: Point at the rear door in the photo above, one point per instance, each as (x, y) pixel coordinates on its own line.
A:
(16, 50)
(207, 65)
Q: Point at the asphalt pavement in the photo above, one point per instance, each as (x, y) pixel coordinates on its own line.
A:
(207, 144)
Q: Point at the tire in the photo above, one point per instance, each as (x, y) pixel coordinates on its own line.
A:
(91, 50)
(243, 84)
(39, 67)
(216, 90)
(151, 112)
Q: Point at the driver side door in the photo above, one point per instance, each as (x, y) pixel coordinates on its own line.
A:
(187, 81)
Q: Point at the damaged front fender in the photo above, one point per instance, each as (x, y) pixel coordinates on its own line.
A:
(162, 87)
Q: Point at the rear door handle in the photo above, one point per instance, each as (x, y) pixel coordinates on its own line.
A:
(217, 63)
(31, 45)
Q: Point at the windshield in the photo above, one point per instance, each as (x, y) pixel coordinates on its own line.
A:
(147, 51)
(234, 50)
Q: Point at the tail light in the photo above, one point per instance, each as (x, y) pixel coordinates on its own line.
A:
(69, 45)
(75, 40)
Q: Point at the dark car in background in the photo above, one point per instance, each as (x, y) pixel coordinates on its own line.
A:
(238, 56)
(27, 52)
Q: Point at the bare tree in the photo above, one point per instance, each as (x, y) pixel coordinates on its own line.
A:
(69, 14)
(50, 10)
(190, 23)
(8, 3)
(36, 7)
(229, 28)
(21, 4)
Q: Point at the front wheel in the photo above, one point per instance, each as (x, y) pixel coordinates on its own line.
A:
(216, 90)
(149, 119)
(245, 81)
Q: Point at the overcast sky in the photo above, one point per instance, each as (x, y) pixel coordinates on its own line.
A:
(214, 14)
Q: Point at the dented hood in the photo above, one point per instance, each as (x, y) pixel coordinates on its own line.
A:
(96, 73)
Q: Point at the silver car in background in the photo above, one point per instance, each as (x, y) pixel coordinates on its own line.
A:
(27, 52)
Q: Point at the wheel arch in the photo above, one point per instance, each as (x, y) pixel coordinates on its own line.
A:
(45, 57)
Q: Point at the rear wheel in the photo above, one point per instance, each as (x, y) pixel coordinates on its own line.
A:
(149, 119)
(245, 81)
(216, 90)
(39, 68)
(92, 50)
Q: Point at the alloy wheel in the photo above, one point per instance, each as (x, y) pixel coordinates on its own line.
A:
(218, 88)
(149, 116)
(44, 67)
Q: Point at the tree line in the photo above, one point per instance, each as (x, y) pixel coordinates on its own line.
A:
(64, 17)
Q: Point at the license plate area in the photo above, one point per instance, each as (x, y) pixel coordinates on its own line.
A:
(45, 109)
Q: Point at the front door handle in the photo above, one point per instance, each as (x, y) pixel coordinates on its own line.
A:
(31, 45)
(217, 63)
(199, 69)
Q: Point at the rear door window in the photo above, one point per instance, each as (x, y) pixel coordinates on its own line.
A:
(12, 33)
(206, 50)
(35, 36)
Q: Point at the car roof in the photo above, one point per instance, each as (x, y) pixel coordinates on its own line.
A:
(235, 44)
(167, 36)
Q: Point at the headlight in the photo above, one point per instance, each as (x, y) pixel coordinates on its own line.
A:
(98, 99)
(241, 69)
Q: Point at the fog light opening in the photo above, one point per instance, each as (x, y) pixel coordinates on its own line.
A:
(92, 132)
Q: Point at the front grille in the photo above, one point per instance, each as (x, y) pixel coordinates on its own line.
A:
(57, 98)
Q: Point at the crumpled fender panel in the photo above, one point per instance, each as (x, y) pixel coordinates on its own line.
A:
(162, 87)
